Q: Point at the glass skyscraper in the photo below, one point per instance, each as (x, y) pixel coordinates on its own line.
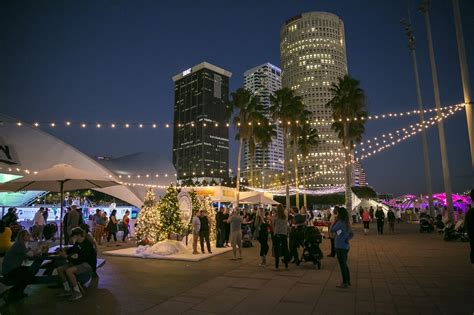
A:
(262, 81)
(200, 136)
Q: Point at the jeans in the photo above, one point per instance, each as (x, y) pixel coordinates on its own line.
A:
(226, 233)
(195, 241)
(125, 233)
(204, 235)
(220, 237)
(333, 249)
(280, 248)
(342, 259)
(380, 226)
(263, 247)
(110, 235)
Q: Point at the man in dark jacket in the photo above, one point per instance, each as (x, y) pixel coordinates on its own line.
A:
(380, 219)
(469, 224)
(204, 232)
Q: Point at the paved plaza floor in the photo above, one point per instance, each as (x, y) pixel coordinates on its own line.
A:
(404, 273)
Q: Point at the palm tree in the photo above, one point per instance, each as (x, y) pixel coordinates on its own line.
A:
(295, 131)
(260, 132)
(349, 112)
(249, 111)
(309, 138)
(286, 107)
(263, 135)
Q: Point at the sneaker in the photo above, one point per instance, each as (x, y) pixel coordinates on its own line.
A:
(64, 293)
(342, 286)
(75, 296)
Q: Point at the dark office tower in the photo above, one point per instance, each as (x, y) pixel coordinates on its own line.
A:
(201, 137)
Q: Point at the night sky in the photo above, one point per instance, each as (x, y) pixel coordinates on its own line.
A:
(112, 61)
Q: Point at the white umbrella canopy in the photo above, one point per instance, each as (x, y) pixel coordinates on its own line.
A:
(50, 179)
(258, 198)
(59, 178)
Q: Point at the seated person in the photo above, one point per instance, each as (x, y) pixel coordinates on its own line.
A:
(13, 271)
(5, 237)
(82, 260)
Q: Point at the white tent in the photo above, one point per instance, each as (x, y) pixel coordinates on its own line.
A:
(367, 203)
(258, 198)
(32, 149)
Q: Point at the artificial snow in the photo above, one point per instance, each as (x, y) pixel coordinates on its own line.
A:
(168, 250)
(163, 248)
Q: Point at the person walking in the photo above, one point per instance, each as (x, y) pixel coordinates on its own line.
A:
(261, 230)
(297, 235)
(280, 237)
(204, 232)
(38, 225)
(469, 224)
(380, 215)
(99, 226)
(73, 220)
(371, 212)
(196, 227)
(391, 220)
(126, 225)
(366, 221)
(332, 220)
(112, 227)
(235, 222)
(342, 234)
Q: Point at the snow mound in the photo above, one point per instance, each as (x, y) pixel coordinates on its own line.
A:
(163, 248)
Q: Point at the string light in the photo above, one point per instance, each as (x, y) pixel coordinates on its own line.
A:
(314, 122)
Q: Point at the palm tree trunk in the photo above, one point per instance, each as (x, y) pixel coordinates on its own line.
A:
(238, 170)
(305, 204)
(348, 169)
(252, 156)
(295, 158)
(285, 153)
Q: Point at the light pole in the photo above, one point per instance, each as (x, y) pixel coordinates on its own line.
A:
(424, 140)
(442, 139)
(464, 77)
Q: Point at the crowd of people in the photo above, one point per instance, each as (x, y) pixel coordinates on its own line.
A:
(285, 228)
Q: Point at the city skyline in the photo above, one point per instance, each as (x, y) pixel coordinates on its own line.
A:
(65, 73)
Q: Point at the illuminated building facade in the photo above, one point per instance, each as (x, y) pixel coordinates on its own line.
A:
(358, 175)
(200, 136)
(262, 81)
(313, 56)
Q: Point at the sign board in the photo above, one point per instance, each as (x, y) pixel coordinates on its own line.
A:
(7, 154)
(186, 72)
(185, 206)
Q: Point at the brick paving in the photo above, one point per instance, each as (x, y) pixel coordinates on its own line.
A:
(404, 273)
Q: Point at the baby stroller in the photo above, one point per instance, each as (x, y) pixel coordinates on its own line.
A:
(246, 236)
(311, 250)
(49, 231)
(426, 224)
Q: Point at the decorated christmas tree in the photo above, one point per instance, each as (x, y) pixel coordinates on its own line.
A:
(171, 223)
(148, 221)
